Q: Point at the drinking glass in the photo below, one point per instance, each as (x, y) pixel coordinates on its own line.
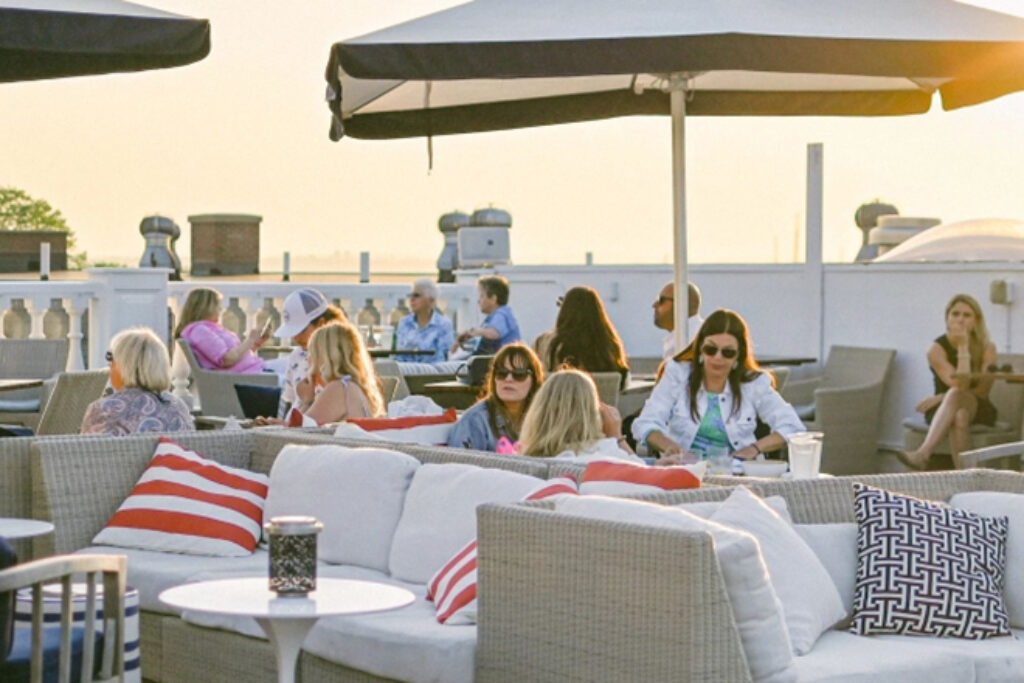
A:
(805, 454)
(719, 460)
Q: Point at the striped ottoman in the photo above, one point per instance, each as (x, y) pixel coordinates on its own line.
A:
(51, 621)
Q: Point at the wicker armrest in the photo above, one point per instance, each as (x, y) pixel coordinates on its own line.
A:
(800, 390)
(564, 598)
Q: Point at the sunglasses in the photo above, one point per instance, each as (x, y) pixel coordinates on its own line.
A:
(519, 374)
(663, 299)
(711, 350)
(415, 295)
(109, 356)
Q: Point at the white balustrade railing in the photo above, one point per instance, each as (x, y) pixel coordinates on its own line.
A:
(36, 300)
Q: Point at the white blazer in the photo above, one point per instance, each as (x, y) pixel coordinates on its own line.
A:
(601, 450)
(668, 410)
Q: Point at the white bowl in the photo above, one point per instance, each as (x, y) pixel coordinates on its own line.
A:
(765, 468)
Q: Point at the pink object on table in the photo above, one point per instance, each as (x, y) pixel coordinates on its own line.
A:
(210, 341)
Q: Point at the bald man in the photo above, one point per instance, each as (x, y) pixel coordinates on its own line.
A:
(664, 315)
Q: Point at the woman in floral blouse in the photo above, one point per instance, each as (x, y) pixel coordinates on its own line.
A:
(140, 372)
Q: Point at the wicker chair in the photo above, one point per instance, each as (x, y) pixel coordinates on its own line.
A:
(216, 389)
(28, 359)
(35, 574)
(70, 397)
(608, 386)
(847, 403)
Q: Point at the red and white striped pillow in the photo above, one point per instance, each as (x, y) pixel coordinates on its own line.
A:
(453, 588)
(609, 478)
(185, 503)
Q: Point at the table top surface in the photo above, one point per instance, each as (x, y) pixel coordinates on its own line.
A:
(13, 528)
(20, 383)
(253, 597)
(781, 359)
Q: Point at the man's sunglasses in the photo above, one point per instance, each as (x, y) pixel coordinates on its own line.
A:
(110, 356)
(711, 350)
(662, 299)
(519, 374)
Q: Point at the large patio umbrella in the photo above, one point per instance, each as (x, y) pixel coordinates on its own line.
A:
(501, 64)
(55, 38)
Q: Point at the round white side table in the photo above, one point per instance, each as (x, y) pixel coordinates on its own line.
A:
(14, 528)
(286, 621)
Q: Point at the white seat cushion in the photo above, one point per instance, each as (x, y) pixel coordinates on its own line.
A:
(152, 571)
(357, 493)
(810, 600)
(836, 547)
(405, 645)
(439, 517)
(847, 658)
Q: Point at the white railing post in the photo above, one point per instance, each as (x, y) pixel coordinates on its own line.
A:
(75, 306)
(37, 307)
(123, 298)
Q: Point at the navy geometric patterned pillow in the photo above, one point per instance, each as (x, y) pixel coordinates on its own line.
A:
(927, 569)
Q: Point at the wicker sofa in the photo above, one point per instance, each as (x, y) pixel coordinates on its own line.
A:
(582, 599)
(79, 482)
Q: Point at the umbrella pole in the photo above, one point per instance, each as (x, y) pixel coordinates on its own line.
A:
(681, 306)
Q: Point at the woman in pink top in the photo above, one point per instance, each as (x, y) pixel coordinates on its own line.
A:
(215, 347)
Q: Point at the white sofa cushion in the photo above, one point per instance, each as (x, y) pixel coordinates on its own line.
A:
(810, 601)
(357, 493)
(705, 509)
(152, 571)
(405, 645)
(756, 608)
(439, 516)
(1011, 505)
(836, 547)
(842, 657)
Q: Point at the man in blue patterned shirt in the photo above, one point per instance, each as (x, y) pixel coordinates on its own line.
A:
(425, 329)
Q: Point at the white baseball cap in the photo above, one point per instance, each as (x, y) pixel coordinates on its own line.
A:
(301, 307)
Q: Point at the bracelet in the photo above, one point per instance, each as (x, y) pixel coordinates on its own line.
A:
(758, 448)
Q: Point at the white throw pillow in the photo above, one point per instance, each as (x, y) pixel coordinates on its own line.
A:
(1011, 505)
(810, 601)
(756, 608)
(357, 493)
(439, 516)
(707, 508)
(836, 547)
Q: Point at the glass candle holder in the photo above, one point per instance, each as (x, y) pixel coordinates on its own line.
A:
(293, 554)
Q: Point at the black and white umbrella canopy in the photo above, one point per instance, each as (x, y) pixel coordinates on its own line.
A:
(503, 64)
(56, 38)
(500, 64)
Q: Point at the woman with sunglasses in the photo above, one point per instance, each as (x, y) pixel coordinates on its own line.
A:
(567, 421)
(140, 373)
(494, 422)
(715, 400)
(584, 337)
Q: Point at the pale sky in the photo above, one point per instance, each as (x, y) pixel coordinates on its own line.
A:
(245, 131)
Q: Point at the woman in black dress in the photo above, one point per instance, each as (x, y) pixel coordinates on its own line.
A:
(958, 402)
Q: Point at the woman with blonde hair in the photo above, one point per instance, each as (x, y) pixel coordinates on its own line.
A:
(958, 402)
(214, 346)
(567, 421)
(342, 382)
(140, 372)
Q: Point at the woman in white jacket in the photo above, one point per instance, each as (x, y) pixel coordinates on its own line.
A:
(715, 400)
(567, 421)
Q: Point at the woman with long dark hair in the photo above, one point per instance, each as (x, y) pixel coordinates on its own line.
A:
(583, 338)
(494, 422)
(957, 402)
(715, 400)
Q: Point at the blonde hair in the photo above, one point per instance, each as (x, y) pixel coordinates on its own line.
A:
(336, 350)
(563, 416)
(202, 302)
(978, 340)
(142, 359)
